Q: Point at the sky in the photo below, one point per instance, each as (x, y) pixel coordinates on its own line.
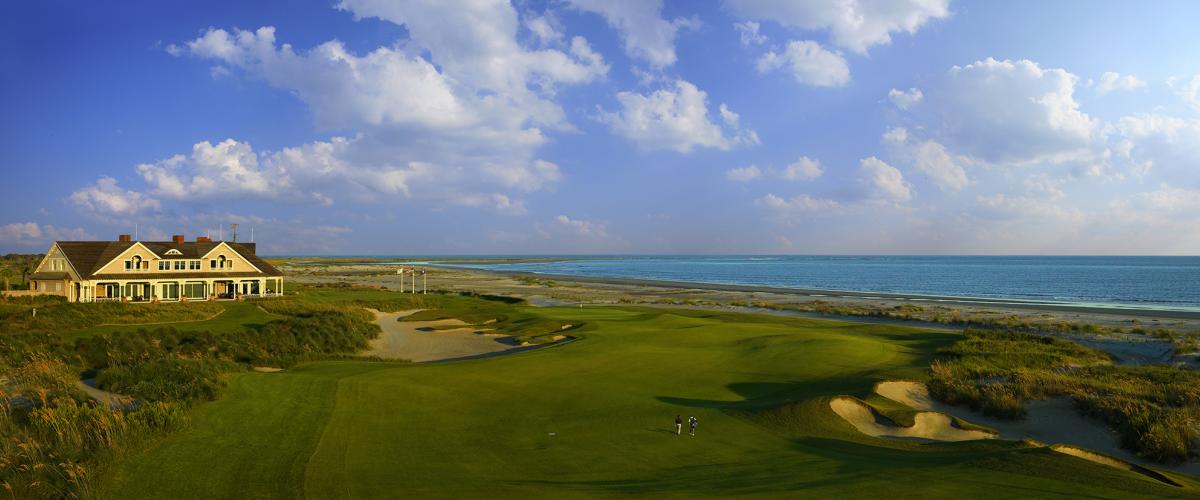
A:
(420, 127)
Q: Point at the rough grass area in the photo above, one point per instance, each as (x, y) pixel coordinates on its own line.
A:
(56, 315)
(593, 419)
(1153, 408)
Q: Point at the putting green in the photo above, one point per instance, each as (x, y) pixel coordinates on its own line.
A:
(593, 418)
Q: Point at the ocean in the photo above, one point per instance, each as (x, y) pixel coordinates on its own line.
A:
(1141, 282)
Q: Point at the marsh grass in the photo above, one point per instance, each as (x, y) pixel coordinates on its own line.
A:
(1154, 409)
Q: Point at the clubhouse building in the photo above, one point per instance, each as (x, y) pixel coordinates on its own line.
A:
(155, 271)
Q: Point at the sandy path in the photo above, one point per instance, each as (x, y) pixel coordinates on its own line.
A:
(406, 340)
(110, 399)
(927, 425)
(1051, 421)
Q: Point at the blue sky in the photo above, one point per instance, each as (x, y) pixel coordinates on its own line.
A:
(586, 126)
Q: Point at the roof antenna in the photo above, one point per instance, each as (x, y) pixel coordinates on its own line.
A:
(233, 229)
(135, 238)
(251, 235)
(221, 232)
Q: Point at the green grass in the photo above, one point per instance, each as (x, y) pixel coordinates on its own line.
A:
(481, 428)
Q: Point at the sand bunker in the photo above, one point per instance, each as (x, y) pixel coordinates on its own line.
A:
(927, 425)
(1047, 421)
(421, 341)
(267, 369)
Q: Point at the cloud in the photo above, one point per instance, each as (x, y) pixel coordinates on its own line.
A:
(1167, 146)
(645, 34)
(1011, 112)
(107, 198)
(226, 169)
(1188, 91)
(748, 33)
(797, 208)
(743, 174)
(884, 182)
(385, 86)
(852, 24)
(1172, 200)
(583, 227)
(905, 99)
(454, 115)
(803, 168)
(931, 158)
(1111, 81)
(22, 234)
(544, 27)
(676, 119)
(809, 63)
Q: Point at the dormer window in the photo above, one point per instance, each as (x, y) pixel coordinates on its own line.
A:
(174, 252)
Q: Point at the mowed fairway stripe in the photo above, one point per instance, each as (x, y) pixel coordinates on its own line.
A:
(593, 418)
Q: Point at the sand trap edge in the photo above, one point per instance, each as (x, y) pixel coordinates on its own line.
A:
(1115, 463)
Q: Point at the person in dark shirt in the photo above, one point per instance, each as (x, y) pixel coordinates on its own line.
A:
(678, 424)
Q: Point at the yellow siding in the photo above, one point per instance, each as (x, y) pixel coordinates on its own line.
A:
(118, 265)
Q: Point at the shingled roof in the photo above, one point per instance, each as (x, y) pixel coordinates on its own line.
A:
(87, 257)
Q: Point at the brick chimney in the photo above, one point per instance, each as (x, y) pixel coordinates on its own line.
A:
(178, 239)
(203, 239)
(124, 237)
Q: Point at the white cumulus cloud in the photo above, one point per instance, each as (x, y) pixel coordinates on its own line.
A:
(675, 119)
(852, 24)
(803, 168)
(31, 233)
(884, 182)
(905, 99)
(1111, 81)
(743, 174)
(748, 33)
(809, 64)
(645, 34)
(107, 198)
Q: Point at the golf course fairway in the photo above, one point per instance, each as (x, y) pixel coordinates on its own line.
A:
(594, 418)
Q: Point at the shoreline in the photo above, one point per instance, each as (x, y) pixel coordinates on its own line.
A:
(819, 294)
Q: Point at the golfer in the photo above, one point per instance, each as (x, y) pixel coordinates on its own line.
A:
(678, 424)
(692, 422)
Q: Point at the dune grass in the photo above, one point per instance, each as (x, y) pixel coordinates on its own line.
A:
(1154, 409)
(593, 418)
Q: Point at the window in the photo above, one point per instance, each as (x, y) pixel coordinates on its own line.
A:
(58, 286)
(230, 263)
(174, 252)
(195, 265)
(170, 291)
(212, 264)
(128, 265)
(164, 265)
(194, 290)
(179, 265)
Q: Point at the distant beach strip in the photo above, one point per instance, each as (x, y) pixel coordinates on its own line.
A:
(1160, 286)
